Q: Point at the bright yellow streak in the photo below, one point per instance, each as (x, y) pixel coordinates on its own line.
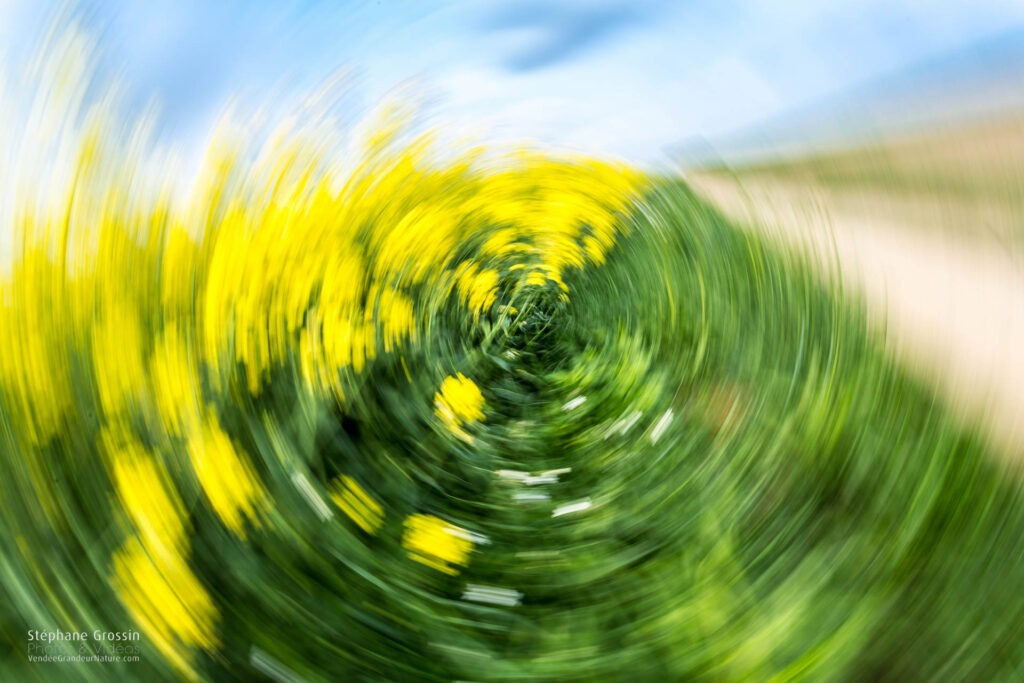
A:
(436, 543)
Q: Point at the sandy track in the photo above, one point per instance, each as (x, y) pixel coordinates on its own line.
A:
(951, 306)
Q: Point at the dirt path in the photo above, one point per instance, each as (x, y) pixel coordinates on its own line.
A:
(951, 306)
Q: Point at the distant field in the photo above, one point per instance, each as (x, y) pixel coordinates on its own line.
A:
(961, 178)
(929, 227)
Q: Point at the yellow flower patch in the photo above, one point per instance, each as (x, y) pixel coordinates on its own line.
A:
(151, 573)
(436, 543)
(359, 505)
(459, 403)
(226, 476)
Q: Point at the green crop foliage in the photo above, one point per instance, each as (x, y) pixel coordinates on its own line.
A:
(489, 417)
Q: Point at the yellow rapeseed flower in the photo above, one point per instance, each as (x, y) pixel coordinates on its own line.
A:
(458, 403)
(167, 601)
(175, 382)
(150, 571)
(359, 505)
(436, 543)
(478, 288)
(226, 476)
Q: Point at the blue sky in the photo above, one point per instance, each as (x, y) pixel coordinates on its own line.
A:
(622, 77)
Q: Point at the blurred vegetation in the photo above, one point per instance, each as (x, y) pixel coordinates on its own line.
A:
(769, 498)
(413, 416)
